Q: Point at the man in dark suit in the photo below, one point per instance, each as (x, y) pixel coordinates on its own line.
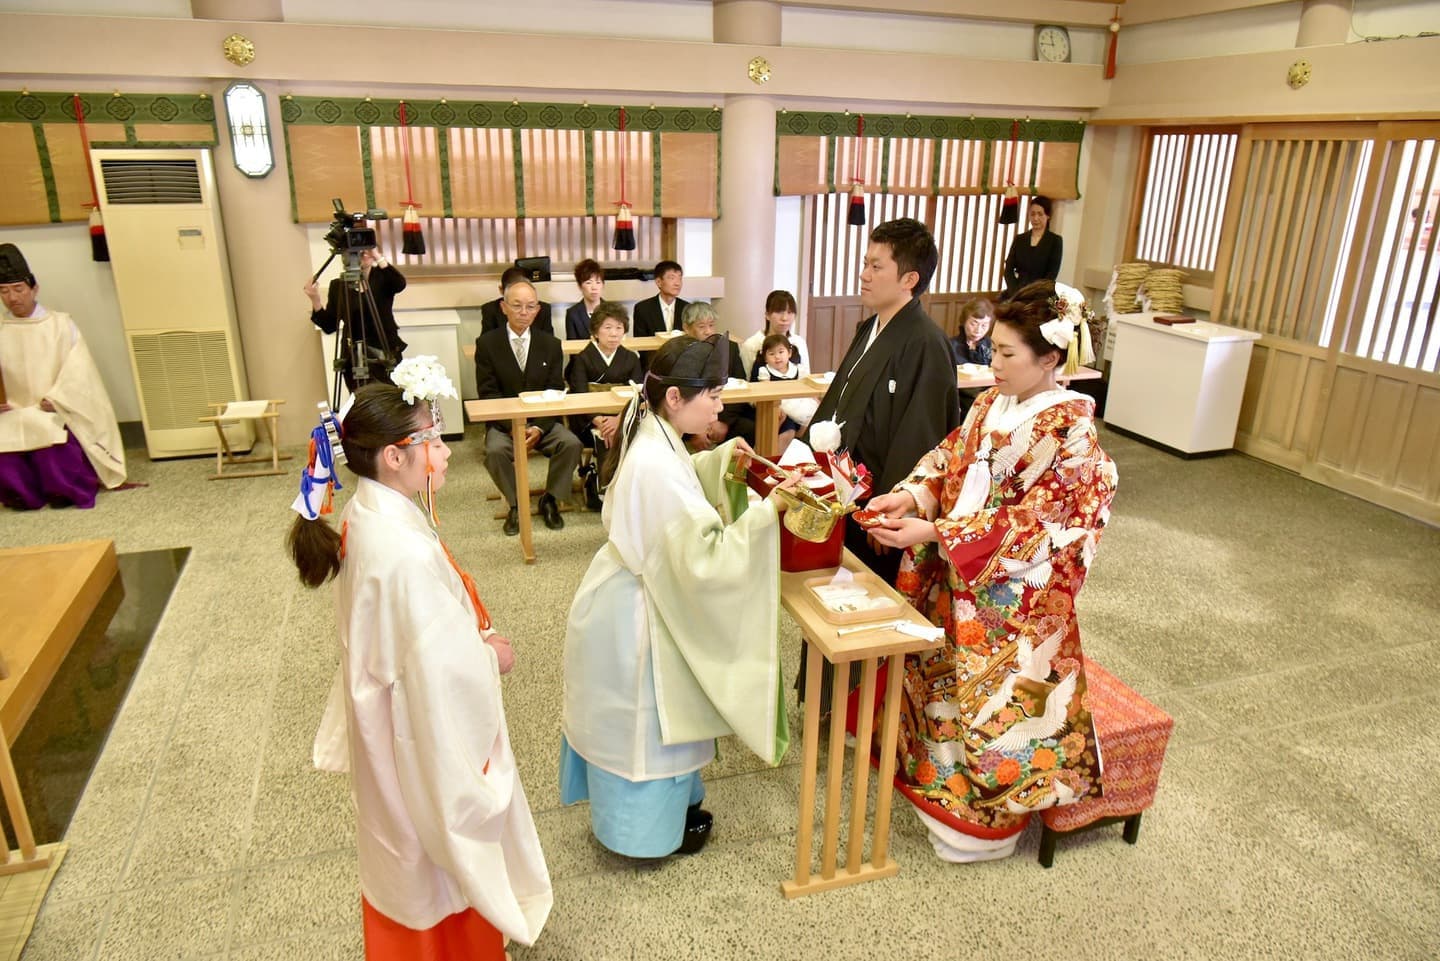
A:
(510, 359)
(665, 311)
(492, 317)
(894, 393)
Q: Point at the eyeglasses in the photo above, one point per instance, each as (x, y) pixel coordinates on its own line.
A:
(523, 308)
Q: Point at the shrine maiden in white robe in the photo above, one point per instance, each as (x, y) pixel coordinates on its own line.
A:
(673, 634)
(43, 357)
(442, 823)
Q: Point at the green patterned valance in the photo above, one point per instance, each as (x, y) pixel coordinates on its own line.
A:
(497, 159)
(822, 152)
(807, 123)
(511, 115)
(43, 176)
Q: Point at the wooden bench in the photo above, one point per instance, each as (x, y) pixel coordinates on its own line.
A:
(1133, 734)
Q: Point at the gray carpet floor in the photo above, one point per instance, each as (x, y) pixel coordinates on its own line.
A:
(1290, 630)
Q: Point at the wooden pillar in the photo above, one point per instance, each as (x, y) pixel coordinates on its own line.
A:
(744, 240)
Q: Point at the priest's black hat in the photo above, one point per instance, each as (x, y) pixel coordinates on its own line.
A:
(702, 363)
(13, 268)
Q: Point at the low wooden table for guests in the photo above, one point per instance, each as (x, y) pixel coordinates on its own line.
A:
(985, 377)
(868, 649)
(572, 347)
(765, 396)
(46, 596)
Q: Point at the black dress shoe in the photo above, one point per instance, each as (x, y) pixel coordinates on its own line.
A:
(512, 522)
(697, 830)
(592, 492)
(550, 512)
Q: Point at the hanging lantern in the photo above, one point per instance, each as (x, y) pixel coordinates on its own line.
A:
(99, 248)
(412, 238)
(1010, 205)
(624, 224)
(855, 216)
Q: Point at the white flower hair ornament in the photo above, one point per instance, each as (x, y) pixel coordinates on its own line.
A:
(1070, 328)
(424, 378)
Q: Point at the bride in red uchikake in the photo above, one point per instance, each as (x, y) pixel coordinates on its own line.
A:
(1000, 524)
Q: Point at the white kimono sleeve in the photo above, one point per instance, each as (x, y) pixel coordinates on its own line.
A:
(457, 774)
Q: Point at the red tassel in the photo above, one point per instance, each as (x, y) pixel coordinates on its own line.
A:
(1010, 206)
(624, 226)
(412, 238)
(1112, 46)
(624, 229)
(99, 248)
(856, 215)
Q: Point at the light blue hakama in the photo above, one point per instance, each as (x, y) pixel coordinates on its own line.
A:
(639, 819)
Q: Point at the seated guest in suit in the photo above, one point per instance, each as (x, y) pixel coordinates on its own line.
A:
(492, 316)
(779, 319)
(603, 361)
(736, 420)
(508, 360)
(775, 362)
(590, 278)
(665, 311)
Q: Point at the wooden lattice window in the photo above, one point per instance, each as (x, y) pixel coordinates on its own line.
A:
(1186, 181)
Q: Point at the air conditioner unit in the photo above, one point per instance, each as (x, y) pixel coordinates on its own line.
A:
(167, 248)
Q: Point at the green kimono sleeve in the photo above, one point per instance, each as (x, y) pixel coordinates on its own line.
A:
(713, 593)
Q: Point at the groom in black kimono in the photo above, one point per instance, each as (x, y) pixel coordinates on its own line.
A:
(894, 393)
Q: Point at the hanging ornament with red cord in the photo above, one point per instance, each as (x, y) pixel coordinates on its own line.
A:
(1112, 46)
(624, 223)
(99, 248)
(412, 237)
(1010, 205)
(856, 215)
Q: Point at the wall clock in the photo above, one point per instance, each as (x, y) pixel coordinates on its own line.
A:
(1052, 44)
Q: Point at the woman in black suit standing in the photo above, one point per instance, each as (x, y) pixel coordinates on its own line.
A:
(1035, 254)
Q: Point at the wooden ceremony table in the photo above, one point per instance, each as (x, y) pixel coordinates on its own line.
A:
(868, 649)
(766, 397)
(985, 377)
(573, 347)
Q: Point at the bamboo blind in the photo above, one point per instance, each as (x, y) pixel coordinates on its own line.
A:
(483, 159)
(43, 174)
(818, 153)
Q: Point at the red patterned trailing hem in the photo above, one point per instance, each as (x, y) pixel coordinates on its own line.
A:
(951, 821)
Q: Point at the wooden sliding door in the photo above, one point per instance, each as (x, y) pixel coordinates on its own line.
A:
(1328, 251)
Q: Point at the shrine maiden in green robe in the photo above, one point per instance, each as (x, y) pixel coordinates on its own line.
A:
(673, 634)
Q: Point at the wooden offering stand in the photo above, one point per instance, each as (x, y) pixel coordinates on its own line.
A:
(842, 650)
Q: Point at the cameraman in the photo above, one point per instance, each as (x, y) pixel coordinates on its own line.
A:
(344, 303)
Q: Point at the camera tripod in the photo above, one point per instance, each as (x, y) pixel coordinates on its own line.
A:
(352, 360)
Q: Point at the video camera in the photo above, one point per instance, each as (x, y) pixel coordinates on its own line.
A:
(348, 233)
